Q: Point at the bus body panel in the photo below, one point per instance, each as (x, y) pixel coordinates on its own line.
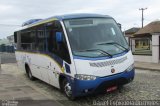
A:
(100, 85)
(42, 66)
(103, 67)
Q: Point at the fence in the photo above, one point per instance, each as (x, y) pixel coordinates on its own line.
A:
(5, 48)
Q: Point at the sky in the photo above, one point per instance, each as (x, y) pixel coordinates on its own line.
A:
(14, 12)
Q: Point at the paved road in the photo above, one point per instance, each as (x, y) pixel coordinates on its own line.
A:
(146, 86)
(7, 57)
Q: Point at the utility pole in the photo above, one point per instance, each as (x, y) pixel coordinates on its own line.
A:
(142, 9)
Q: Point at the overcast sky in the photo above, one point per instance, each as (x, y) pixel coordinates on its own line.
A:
(126, 12)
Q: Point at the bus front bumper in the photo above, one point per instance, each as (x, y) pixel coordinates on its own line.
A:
(82, 88)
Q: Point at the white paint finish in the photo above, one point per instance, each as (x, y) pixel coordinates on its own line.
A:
(83, 66)
(42, 67)
(142, 58)
(155, 40)
(53, 76)
(35, 72)
(155, 48)
(155, 54)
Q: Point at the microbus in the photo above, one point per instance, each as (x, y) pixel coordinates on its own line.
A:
(80, 54)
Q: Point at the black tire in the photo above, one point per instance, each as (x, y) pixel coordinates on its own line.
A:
(66, 88)
(29, 74)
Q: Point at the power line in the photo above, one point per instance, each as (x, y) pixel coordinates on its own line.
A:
(142, 9)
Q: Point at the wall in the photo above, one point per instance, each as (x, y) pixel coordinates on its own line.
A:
(155, 51)
(155, 48)
(142, 58)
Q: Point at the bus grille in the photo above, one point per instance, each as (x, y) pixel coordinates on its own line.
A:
(108, 63)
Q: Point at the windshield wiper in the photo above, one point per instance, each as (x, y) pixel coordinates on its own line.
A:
(113, 43)
(102, 51)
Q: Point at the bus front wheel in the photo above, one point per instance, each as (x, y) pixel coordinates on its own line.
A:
(67, 89)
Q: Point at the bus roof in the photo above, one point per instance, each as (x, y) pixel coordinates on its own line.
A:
(63, 17)
(80, 15)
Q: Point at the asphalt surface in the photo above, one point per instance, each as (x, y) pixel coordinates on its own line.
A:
(146, 86)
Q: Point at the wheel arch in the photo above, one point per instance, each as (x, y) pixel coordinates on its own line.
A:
(26, 66)
(61, 78)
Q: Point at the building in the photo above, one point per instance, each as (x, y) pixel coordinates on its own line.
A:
(130, 32)
(145, 43)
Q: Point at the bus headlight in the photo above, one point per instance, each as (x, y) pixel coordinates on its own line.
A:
(130, 68)
(85, 77)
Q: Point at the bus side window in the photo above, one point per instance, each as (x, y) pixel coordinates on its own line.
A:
(41, 40)
(28, 39)
(60, 49)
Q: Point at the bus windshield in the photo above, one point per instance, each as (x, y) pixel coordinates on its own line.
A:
(95, 37)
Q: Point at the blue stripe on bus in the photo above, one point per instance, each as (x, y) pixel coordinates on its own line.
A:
(55, 57)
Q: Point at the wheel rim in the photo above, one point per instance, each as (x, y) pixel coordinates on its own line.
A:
(68, 90)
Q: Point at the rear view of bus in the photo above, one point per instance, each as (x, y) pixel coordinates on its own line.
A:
(80, 54)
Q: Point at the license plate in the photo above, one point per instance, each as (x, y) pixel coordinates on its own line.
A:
(113, 88)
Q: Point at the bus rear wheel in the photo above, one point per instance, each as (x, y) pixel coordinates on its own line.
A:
(29, 74)
(67, 89)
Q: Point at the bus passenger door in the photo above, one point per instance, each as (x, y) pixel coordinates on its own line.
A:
(53, 71)
(41, 58)
(57, 46)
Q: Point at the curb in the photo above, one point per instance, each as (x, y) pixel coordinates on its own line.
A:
(151, 69)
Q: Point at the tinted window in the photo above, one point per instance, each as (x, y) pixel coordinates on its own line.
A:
(60, 49)
(40, 38)
(95, 37)
(28, 39)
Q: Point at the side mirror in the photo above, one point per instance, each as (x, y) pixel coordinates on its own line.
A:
(59, 38)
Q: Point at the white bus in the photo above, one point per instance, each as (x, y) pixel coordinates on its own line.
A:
(80, 54)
